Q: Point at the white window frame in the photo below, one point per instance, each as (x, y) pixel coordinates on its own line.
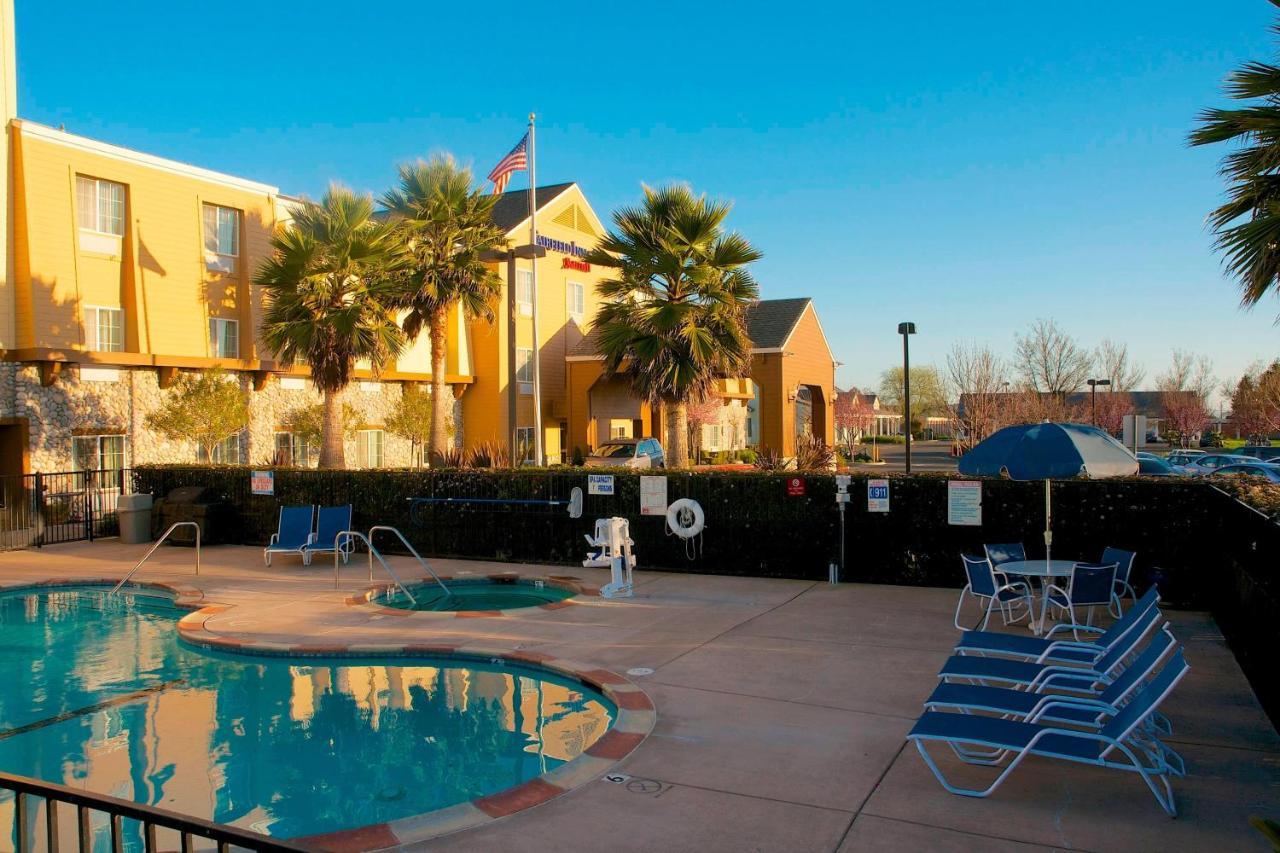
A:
(92, 318)
(231, 447)
(524, 369)
(99, 451)
(301, 453)
(525, 438)
(576, 298)
(109, 225)
(217, 256)
(220, 332)
(364, 448)
(524, 292)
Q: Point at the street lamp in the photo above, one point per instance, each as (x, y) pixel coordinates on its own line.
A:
(906, 329)
(1093, 395)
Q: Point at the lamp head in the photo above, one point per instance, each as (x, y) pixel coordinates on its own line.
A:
(906, 328)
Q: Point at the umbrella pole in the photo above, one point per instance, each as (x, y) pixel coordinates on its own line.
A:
(1048, 523)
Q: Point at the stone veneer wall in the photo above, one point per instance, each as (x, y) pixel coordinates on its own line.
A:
(77, 405)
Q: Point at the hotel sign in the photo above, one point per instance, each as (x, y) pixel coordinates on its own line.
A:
(575, 253)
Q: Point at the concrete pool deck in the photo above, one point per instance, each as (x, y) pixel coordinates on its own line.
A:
(782, 707)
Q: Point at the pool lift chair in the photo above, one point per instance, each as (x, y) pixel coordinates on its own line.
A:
(613, 539)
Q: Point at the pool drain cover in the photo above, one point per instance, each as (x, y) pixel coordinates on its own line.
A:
(640, 670)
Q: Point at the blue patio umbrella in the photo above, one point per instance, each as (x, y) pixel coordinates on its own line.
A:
(1048, 451)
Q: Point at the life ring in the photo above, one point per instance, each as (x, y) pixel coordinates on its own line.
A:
(686, 518)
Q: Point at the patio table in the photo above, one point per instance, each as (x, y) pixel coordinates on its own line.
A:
(1043, 570)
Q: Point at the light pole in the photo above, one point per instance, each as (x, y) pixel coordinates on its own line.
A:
(906, 329)
(1093, 395)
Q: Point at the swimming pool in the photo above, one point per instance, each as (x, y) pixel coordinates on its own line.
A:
(101, 693)
(475, 594)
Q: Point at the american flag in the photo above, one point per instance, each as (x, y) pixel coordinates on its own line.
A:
(516, 161)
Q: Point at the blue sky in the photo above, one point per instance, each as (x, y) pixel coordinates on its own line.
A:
(970, 167)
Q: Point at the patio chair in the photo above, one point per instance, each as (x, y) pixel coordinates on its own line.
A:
(991, 589)
(1006, 553)
(293, 532)
(1138, 618)
(1036, 675)
(1090, 585)
(1121, 744)
(1086, 709)
(1124, 567)
(330, 521)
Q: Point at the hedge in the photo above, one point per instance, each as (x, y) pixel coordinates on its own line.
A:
(1206, 549)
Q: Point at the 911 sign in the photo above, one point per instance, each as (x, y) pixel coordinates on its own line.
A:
(877, 495)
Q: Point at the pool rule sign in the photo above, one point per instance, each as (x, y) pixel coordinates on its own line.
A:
(795, 487)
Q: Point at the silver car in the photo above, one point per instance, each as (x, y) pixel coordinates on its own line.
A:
(628, 453)
(1207, 463)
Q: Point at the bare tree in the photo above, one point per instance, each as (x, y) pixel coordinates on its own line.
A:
(977, 379)
(1112, 361)
(1049, 361)
(1184, 393)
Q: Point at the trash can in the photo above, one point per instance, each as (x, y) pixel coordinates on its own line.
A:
(135, 518)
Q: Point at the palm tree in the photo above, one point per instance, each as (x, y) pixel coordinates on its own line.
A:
(674, 316)
(1248, 224)
(328, 294)
(444, 225)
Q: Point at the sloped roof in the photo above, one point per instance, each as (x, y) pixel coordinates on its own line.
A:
(513, 206)
(769, 324)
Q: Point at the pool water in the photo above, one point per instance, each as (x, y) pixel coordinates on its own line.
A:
(100, 693)
(475, 594)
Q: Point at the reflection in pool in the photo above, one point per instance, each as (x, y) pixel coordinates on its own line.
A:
(100, 693)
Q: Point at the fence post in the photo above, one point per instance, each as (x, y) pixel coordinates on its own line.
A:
(89, 478)
(39, 519)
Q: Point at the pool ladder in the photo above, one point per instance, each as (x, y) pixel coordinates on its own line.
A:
(344, 538)
(160, 542)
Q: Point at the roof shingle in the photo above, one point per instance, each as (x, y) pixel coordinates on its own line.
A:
(769, 324)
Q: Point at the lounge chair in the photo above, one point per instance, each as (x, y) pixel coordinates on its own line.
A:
(1035, 676)
(1121, 744)
(991, 588)
(1090, 585)
(330, 522)
(1124, 568)
(1041, 649)
(1007, 552)
(293, 533)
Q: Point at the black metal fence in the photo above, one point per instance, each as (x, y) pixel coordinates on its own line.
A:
(68, 506)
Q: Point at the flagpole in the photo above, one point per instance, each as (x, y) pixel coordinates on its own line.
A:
(533, 282)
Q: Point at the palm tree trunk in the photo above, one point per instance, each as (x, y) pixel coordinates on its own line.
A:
(332, 452)
(679, 435)
(440, 396)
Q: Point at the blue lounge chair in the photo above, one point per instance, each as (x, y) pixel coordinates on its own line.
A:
(1007, 552)
(1090, 585)
(1036, 676)
(1091, 710)
(1041, 649)
(330, 522)
(1124, 568)
(992, 589)
(293, 532)
(1121, 744)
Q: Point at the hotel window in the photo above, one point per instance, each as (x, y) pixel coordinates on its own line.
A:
(524, 444)
(524, 292)
(524, 369)
(224, 338)
(576, 295)
(227, 451)
(294, 451)
(103, 329)
(369, 448)
(97, 452)
(99, 214)
(221, 238)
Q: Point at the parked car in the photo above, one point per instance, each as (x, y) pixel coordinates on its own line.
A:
(628, 453)
(1211, 439)
(1210, 462)
(1150, 465)
(1266, 453)
(1266, 470)
(1183, 457)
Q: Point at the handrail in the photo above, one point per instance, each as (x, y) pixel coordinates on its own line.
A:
(416, 555)
(160, 542)
(373, 552)
(117, 809)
